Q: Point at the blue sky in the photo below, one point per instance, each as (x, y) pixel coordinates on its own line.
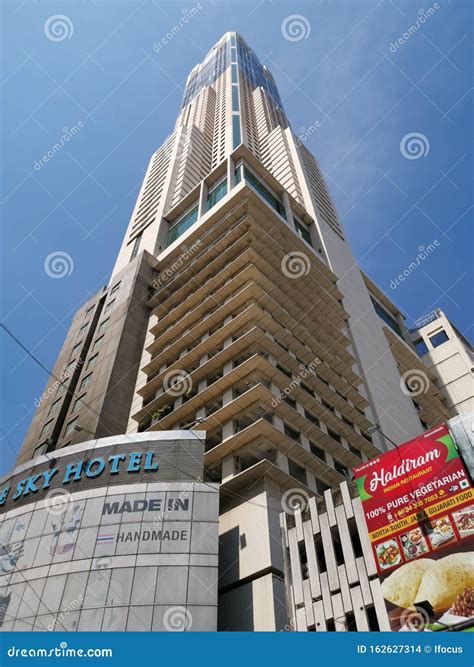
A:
(350, 89)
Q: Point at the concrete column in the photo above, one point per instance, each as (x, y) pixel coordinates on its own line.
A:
(202, 199)
(230, 174)
(288, 211)
(228, 468)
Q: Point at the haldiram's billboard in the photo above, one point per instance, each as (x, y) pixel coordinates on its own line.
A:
(419, 508)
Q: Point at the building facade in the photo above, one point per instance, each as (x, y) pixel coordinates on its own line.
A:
(447, 353)
(237, 307)
(115, 538)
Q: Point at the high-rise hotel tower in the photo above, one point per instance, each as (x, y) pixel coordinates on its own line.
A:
(236, 307)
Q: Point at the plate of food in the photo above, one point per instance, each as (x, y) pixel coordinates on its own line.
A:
(464, 520)
(388, 554)
(441, 531)
(414, 543)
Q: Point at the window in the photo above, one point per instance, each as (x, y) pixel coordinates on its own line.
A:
(311, 418)
(47, 429)
(115, 287)
(235, 98)
(317, 451)
(234, 73)
(70, 368)
(327, 405)
(388, 319)
(71, 426)
(136, 245)
(98, 342)
(291, 432)
(42, 449)
(78, 403)
(89, 312)
(306, 388)
(109, 306)
(439, 338)
(55, 407)
(297, 471)
(335, 436)
(303, 231)
(342, 469)
(183, 224)
(284, 370)
(355, 451)
(264, 192)
(86, 381)
(347, 421)
(104, 325)
(216, 194)
(420, 347)
(290, 401)
(83, 328)
(236, 131)
(93, 361)
(321, 486)
(76, 349)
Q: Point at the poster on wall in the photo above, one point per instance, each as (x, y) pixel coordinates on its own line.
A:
(418, 502)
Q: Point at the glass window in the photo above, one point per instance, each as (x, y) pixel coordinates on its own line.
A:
(93, 361)
(86, 381)
(40, 450)
(216, 194)
(317, 451)
(99, 342)
(341, 469)
(83, 328)
(303, 231)
(55, 407)
(75, 349)
(234, 73)
(439, 338)
(136, 245)
(334, 435)
(104, 325)
(47, 429)
(262, 190)
(115, 288)
(183, 224)
(297, 471)
(235, 98)
(237, 140)
(388, 319)
(291, 432)
(90, 311)
(71, 426)
(421, 347)
(70, 368)
(78, 403)
(109, 306)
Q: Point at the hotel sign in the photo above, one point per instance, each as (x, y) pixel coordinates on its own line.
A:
(121, 463)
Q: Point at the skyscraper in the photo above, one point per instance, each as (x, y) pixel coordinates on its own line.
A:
(237, 307)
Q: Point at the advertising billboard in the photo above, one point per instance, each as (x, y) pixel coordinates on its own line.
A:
(418, 503)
